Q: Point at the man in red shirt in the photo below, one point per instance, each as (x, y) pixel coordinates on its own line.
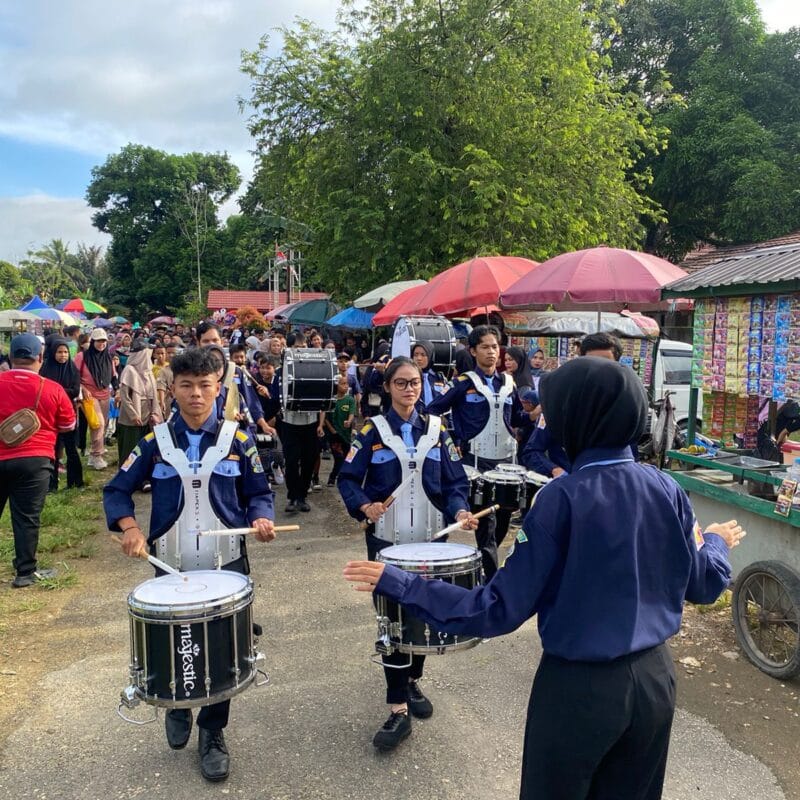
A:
(25, 468)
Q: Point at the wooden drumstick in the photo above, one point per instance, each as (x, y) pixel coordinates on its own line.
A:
(156, 562)
(246, 531)
(456, 526)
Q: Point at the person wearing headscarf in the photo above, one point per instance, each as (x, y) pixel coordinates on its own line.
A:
(536, 363)
(516, 365)
(137, 399)
(605, 559)
(252, 343)
(58, 367)
(434, 383)
(97, 376)
(121, 348)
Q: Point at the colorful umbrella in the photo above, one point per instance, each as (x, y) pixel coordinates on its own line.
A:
(100, 322)
(279, 311)
(84, 305)
(119, 320)
(377, 298)
(311, 312)
(54, 315)
(354, 318)
(602, 278)
(10, 317)
(164, 320)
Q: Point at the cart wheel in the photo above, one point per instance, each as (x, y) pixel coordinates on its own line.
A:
(766, 616)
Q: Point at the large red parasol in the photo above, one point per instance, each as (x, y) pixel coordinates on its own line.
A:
(604, 277)
(396, 306)
(477, 282)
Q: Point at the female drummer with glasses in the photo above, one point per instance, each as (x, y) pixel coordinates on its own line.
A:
(403, 449)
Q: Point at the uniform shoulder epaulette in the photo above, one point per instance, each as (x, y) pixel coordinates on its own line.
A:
(241, 436)
(368, 426)
(149, 437)
(463, 377)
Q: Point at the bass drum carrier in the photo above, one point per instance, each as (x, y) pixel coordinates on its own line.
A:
(436, 331)
(308, 382)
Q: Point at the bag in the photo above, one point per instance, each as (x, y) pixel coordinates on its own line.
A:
(90, 412)
(21, 425)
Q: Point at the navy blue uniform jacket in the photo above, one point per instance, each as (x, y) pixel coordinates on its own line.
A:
(372, 471)
(541, 454)
(239, 489)
(470, 408)
(605, 558)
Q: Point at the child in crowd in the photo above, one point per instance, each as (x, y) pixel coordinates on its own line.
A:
(339, 426)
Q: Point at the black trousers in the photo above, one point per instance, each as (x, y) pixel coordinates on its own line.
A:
(492, 529)
(83, 429)
(396, 668)
(599, 731)
(69, 441)
(300, 450)
(23, 484)
(214, 717)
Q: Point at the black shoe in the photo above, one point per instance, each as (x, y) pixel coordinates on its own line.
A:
(21, 581)
(215, 763)
(303, 506)
(178, 724)
(418, 704)
(291, 507)
(331, 481)
(394, 730)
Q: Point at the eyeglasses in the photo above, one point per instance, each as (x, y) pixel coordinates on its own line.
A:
(402, 383)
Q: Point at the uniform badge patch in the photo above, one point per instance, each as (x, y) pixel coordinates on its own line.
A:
(354, 448)
(521, 537)
(699, 541)
(255, 463)
(131, 459)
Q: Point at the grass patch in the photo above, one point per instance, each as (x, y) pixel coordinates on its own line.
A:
(720, 604)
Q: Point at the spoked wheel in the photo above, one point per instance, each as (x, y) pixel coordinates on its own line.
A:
(766, 616)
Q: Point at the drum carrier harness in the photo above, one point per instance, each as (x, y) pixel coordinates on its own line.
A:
(411, 517)
(181, 546)
(494, 442)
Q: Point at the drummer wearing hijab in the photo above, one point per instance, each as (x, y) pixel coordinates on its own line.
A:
(606, 558)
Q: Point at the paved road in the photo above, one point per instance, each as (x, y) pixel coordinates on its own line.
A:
(308, 734)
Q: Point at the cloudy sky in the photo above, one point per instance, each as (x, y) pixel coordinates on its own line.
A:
(83, 78)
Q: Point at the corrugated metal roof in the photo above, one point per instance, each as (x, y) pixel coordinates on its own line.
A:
(765, 266)
(706, 254)
(263, 301)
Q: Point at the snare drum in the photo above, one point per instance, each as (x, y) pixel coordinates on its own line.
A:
(473, 476)
(191, 640)
(506, 489)
(265, 441)
(514, 469)
(436, 331)
(308, 380)
(455, 563)
(533, 482)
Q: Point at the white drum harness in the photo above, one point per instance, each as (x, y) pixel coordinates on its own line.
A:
(494, 442)
(411, 517)
(180, 546)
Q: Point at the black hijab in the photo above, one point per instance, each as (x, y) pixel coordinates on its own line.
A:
(522, 377)
(99, 365)
(428, 348)
(65, 374)
(593, 402)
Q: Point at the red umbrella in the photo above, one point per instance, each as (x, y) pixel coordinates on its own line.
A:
(396, 307)
(604, 277)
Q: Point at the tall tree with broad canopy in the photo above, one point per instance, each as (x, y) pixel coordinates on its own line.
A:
(423, 132)
(142, 199)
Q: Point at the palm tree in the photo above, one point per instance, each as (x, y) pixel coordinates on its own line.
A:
(54, 271)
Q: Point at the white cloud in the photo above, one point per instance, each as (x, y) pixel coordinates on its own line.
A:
(27, 223)
(780, 15)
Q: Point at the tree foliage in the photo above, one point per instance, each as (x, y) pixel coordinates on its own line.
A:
(423, 132)
(729, 95)
(150, 201)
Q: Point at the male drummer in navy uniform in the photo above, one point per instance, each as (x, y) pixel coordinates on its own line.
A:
(481, 402)
(216, 466)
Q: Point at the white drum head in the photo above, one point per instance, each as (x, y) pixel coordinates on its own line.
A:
(514, 469)
(496, 476)
(200, 587)
(472, 473)
(401, 339)
(426, 552)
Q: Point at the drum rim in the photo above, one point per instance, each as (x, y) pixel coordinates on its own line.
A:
(440, 650)
(205, 700)
(504, 477)
(510, 469)
(218, 607)
(466, 549)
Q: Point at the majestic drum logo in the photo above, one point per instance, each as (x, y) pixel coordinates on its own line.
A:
(188, 651)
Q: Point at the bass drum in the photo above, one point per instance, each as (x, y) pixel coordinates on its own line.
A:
(308, 381)
(436, 331)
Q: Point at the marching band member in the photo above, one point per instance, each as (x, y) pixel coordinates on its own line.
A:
(433, 383)
(205, 474)
(481, 402)
(605, 559)
(403, 447)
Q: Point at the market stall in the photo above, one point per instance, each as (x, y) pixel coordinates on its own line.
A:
(746, 364)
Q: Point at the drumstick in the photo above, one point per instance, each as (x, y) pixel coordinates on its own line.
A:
(245, 531)
(156, 562)
(456, 526)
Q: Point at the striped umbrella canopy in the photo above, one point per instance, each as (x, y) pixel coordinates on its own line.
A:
(84, 305)
(55, 315)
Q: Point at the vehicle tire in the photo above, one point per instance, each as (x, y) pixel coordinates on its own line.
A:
(766, 617)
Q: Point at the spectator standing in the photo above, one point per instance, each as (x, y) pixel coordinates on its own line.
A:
(138, 401)
(25, 467)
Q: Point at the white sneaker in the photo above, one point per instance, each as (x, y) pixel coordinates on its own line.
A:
(277, 475)
(97, 462)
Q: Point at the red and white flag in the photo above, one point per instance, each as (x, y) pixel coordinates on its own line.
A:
(280, 257)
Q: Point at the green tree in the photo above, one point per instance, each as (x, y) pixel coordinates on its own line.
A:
(420, 133)
(53, 272)
(15, 290)
(149, 201)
